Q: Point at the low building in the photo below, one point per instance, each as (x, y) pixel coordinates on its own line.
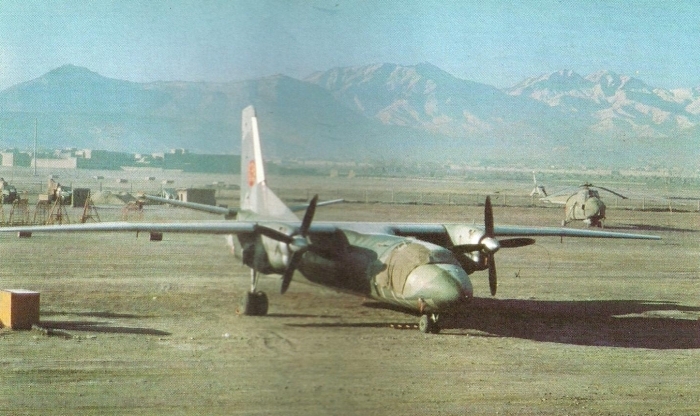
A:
(198, 195)
(67, 163)
(15, 158)
(104, 159)
(190, 162)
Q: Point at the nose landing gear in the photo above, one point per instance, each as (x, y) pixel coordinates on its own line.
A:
(428, 324)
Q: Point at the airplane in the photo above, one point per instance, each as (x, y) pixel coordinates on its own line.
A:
(420, 267)
(582, 205)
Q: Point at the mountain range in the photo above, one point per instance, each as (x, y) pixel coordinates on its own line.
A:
(374, 112)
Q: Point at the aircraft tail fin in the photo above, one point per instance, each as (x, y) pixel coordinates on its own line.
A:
(255, 195)
(538, 189)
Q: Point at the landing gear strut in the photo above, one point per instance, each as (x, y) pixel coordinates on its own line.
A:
(254, 302)
(428, 324)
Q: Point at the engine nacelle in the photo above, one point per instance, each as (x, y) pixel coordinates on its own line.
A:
(464, 234)
(266, 254)
(278, 254)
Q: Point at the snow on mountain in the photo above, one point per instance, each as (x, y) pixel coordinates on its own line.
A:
(425, 97)
(616, 104)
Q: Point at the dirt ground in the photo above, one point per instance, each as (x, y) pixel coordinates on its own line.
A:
(579, 326)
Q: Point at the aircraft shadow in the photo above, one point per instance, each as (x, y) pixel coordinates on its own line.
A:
(300, 315)
(614, 323)
(357, 325)
(96, 314)
(92, 326)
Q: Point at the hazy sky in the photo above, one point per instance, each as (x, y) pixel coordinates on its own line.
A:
(494, 42)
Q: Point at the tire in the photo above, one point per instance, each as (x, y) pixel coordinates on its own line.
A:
(254, 304)
(424, 324)
(427, 326)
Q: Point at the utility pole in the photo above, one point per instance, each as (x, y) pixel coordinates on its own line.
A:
(36, 126)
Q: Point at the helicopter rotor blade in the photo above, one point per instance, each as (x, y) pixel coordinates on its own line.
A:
(611, 191)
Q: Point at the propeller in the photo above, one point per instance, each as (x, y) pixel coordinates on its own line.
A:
(297, 242)
(489, 245)
(516, 242)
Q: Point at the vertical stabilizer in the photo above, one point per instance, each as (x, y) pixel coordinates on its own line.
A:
(255, 195)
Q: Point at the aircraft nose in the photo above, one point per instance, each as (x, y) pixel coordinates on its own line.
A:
(440, 286)
(594, 207)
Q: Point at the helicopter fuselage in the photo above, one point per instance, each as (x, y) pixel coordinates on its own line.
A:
(585, 205)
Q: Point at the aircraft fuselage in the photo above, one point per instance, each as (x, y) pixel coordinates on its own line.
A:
(402, 271)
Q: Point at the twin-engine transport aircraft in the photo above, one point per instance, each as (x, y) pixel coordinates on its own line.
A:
(420, 267)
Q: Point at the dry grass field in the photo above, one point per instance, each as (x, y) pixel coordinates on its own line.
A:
(579, 326)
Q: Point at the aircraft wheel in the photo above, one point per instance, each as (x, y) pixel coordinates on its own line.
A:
(428, 325)
(254, 304)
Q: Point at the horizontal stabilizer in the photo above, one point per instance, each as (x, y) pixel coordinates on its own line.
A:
(297, 208)
(228, 212)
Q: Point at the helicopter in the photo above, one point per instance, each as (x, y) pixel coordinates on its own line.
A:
(582, 205)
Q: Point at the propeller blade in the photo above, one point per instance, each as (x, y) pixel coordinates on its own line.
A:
(516, 242)
(287, 276)
(273, 234)
(308, 216)
(488, 230)
(488, 218)
(493, 281)
(296, 257)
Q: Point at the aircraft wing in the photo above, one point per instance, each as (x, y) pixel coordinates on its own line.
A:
(214, 227)
(517, 231)
(418, 230)
(424, 230)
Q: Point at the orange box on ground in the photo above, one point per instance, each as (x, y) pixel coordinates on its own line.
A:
(19, 308)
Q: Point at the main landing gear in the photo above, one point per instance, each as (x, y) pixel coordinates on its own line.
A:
(428, 324)
(254, 302)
